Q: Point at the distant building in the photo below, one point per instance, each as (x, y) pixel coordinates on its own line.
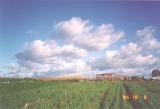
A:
(105, 76)
(136, 78)
(111, 76)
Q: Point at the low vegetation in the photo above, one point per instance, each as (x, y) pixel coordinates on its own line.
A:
(37, 94)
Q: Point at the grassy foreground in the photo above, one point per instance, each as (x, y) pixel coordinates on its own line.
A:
(32, 94)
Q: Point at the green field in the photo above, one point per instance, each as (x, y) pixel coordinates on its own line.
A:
(33, 94)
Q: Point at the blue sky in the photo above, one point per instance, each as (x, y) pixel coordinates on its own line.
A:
(27, 22)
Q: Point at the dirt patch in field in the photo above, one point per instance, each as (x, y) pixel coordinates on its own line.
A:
(102, 102)
(135, 103)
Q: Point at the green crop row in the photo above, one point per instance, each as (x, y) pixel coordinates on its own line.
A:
(31, 94)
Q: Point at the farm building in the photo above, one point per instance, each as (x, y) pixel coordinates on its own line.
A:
(105, 76)
(111, 76)
(136, 78)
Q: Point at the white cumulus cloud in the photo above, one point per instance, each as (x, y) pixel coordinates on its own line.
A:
(128, 56)
(46, 56)
(84, 34)
(80, 47)
(40, 50)
(147, 38)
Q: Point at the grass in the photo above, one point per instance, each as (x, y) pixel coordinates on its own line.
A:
(33, 94)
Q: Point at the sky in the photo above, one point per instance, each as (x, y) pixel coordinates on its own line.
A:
(45, 38)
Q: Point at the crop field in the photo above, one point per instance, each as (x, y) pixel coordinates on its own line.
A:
(34, 94)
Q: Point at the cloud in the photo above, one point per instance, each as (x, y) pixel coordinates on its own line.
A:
(128, 56)
(147, 38)
(73, 28)
(58, 66)
(84, 48)
(40, 50)
(32, 33)
(46, 57)
(84, 34)
(134, 58)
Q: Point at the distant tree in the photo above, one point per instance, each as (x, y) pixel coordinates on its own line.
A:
(155, 73)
